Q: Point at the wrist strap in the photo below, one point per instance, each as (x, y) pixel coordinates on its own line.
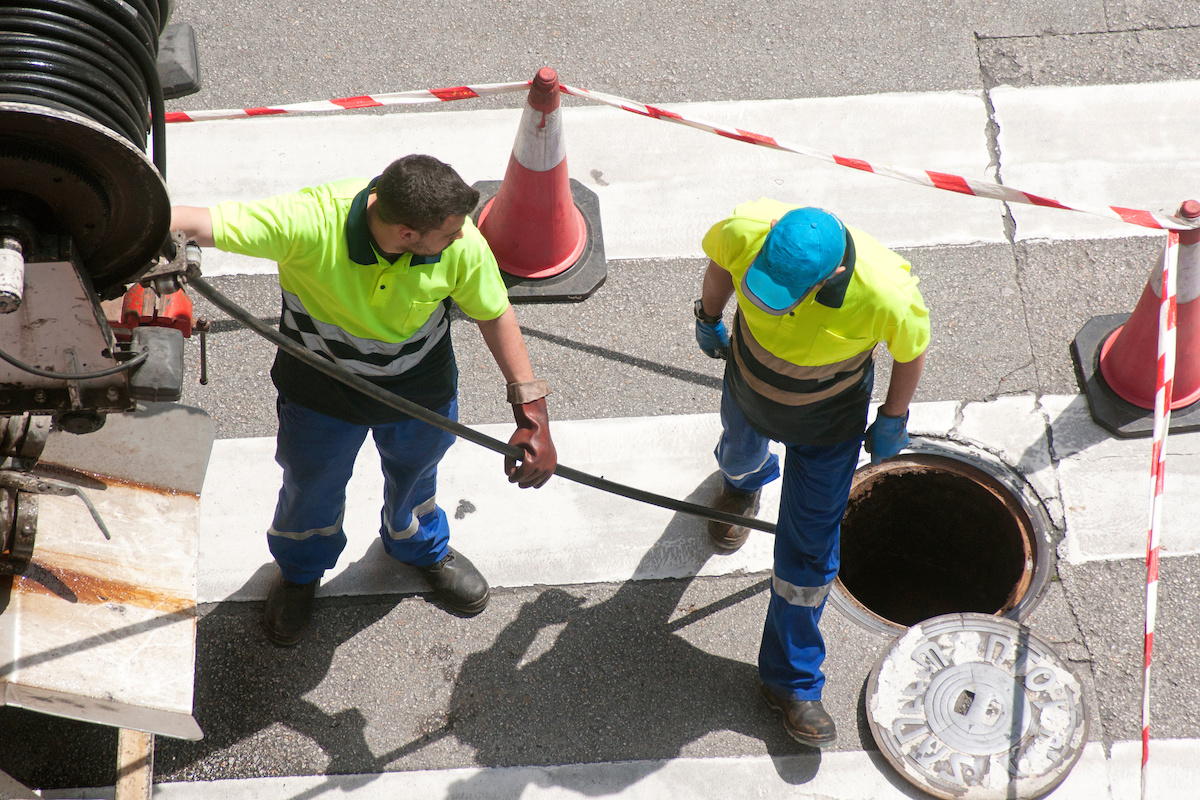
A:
(522, 392)
(698, 312)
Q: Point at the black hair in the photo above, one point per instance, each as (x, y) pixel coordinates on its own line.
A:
(421, 192)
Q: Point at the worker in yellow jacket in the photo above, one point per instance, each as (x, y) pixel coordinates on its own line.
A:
(814, 299)
(367, 270)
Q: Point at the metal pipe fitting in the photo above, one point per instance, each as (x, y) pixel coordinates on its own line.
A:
(12, 274)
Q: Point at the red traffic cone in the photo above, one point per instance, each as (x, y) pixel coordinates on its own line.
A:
(1118, 366)
(534, 224)
(1129, 357)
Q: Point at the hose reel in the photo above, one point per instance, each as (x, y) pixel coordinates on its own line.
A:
(79, 92)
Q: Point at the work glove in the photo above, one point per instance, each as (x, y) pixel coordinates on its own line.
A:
(713, 338)
(532, 436)
(886, 437)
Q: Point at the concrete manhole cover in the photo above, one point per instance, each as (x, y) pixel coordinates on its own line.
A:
(975, 707)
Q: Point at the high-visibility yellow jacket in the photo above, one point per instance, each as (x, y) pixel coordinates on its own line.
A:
(384, 319)
(805, 377)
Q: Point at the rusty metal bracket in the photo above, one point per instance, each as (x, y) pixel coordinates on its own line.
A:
(166, 276)
(19, 541)
(33, 485)
(22, 439)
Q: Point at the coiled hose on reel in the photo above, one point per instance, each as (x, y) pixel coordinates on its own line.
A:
(94, 58)
(80, 101)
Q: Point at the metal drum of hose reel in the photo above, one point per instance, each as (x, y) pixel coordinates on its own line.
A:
(66, 175)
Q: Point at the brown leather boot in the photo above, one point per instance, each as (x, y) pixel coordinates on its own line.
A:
(727, 537)
(806, 721)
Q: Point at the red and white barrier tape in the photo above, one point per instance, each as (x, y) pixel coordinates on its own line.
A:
(1162, 422)
(936, 180)
(417, 97)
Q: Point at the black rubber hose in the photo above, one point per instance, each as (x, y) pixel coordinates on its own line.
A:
(48, 27)
(121, 33)
(50, 92)
(72, 87)
(415, 411)
(124, 366)
(156, 12)
(103, 76)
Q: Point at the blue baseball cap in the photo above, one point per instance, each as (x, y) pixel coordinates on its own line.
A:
(804, 248)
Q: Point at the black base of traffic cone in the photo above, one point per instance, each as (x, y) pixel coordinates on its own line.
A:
(578, 281)
(1109, 410)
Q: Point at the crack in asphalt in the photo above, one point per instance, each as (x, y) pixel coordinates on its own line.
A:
(992, 133)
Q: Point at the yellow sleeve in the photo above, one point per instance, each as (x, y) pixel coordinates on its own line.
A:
(735, 241)
(716, 245)
(908, 336)
(270, 228)
(480, 290)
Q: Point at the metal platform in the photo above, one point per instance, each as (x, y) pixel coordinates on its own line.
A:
(104, 630)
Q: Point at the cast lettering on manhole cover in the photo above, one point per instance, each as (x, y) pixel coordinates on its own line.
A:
(975, 707)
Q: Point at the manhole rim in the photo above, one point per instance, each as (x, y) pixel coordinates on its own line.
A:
(1022, 492)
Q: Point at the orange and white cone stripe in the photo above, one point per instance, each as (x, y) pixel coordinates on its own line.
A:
(539, 146)
(532, 224)
(1162, 422)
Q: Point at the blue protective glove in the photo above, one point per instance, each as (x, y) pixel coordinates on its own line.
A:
(713, 338)
(886, 437)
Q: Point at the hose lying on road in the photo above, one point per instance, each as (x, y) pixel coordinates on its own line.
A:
(437, 420)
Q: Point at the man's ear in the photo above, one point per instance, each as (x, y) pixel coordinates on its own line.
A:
(406, 233)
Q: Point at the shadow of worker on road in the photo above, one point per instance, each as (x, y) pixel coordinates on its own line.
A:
(249, 690)
(588, 675)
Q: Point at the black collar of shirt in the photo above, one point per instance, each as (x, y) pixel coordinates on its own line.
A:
(833, 293)
(361, 245)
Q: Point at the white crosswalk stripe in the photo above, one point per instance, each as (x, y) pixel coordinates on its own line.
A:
(660, 184)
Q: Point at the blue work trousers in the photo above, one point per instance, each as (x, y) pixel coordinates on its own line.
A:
(317, 454)
(816, 487)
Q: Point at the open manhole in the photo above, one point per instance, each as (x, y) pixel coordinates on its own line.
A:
(937, 532)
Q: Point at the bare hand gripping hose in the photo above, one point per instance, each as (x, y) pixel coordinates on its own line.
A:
(438, 421)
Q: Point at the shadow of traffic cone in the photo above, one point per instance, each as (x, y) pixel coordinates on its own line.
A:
(543, 228)
(1118, 353)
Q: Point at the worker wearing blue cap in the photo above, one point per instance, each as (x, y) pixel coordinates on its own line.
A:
(814, 299)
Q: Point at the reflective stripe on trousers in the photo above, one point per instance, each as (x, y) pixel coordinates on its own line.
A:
(742, 454)
(810, 596)
(299, 536)
(816, 486)
(413, 526)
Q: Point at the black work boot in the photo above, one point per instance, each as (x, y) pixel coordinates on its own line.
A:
(288, 610)
(727, 537)
(806, 721)
(456, 581)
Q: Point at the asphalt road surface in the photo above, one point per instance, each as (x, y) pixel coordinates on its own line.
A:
(390, 682)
